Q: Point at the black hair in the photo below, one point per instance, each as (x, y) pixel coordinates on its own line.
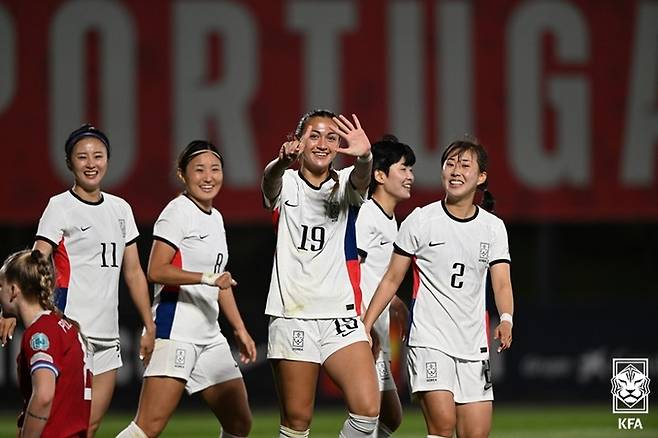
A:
(86, 130)
(469, 143)
(301, 125)
(193, 149)
(386, 152)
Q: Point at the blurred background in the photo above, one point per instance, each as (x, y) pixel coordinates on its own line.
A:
(564, 94)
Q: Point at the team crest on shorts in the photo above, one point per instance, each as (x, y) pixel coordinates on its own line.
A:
(179, 362)
(297, 340)
(630, 386)
(39, 341)
(484, 252)
(382, 371)
(431, 371)
(122, 225)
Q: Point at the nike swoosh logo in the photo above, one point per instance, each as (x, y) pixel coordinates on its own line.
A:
(289, 204)
(85, 228)
(384, 242)
(436, 243)
(348, 333)
(203, 237)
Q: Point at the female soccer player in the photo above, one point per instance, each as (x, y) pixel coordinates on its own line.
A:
(453, 244)
(52, 371)
(314, 299)
(390, 183)
(91, 235)
(188, 261)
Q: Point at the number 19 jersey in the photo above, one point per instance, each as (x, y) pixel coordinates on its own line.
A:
(451, 258)
(89, 239)
(315, 274)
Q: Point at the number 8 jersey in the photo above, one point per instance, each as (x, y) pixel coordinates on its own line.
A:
(88, 240)
(451, 257)
(315, 273)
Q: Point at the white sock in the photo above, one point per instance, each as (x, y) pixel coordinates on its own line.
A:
(132, 431)
(225, 434)
(286, 432)
(383, 431)
(437, 436)
(357, 426)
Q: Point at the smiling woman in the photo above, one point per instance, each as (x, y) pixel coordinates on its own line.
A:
(187, 263)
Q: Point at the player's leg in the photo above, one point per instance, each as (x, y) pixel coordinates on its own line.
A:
(474, 396)
(390, 413)
(102, 389)
(352, 368)
(439, 411)
(296, 383)
(474, 419)
(217, 377)
(106, 360)
(157, 402)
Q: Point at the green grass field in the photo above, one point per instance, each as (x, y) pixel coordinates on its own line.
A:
(512, 422)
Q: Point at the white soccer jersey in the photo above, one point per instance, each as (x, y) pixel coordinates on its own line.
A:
(451, 260)
(89, 239)
(189, 312)
(375, 234)
(315, 273)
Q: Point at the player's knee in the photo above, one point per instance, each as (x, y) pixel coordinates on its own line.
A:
(297, 419)
(152, 427)
(239, 426)
(358, 426)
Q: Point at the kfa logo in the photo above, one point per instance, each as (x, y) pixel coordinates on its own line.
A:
(179, 362)
(122, 225)
(630, 390)
(484, 252)
(297, 340)
(430, 371)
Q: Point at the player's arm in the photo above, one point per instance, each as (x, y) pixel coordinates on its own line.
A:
(397, 269)
(400, 313)
(138, 288)
(273, 173)
(230, 311)
(41, 400)
(160, 270)
(502, 288)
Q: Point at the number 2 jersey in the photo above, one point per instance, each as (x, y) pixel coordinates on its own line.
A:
(88, 240)
(54, 344)
(189, 312)
(315, 273)
(451, 257)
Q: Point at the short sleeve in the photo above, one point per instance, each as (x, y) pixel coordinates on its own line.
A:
(407, 239)
(500, 244)
(363, 232)
(132, 233)
(42, 350)
(52, 224)
(170, 226)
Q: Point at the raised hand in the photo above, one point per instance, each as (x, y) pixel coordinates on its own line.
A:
(291, 150)
(355, 137)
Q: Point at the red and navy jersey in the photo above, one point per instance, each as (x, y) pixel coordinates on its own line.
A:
(53, 343)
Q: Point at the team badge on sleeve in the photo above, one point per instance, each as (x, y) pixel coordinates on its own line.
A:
(39, 341)
(122, 225)
(484, 252)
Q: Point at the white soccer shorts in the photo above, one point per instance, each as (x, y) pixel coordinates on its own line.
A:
(311, 340)
(201, 366)
(433, 370)
(106, 355)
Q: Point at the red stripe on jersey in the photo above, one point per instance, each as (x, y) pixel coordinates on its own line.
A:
(354, 272)
(62, 265)
(486, 325)
(176, 261)
(416, 284)
(275, 218)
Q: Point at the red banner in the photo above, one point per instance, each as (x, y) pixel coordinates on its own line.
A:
(563, 94)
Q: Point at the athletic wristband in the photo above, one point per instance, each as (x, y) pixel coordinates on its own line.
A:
(367, 159)
(209, 278)
(507, 317)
